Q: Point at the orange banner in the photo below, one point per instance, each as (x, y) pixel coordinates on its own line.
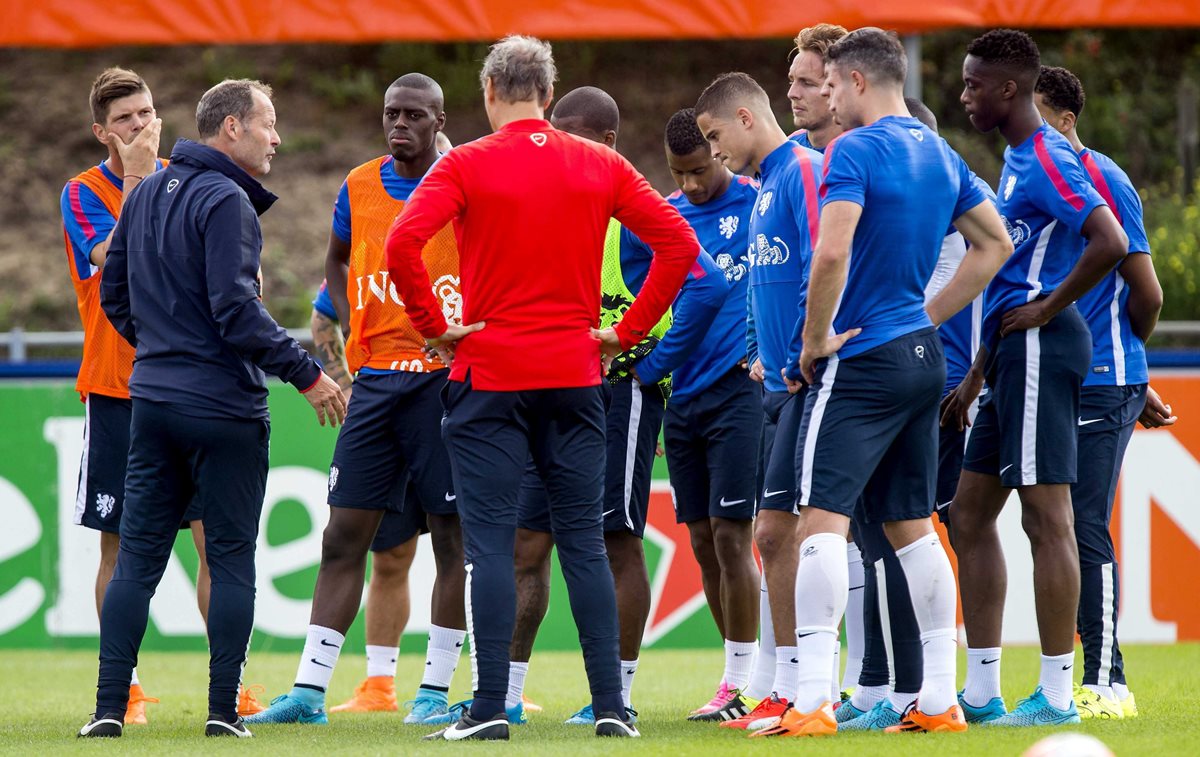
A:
(71, 23)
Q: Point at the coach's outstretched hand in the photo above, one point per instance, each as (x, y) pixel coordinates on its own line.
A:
(327, 399)
(956, 406)
(140, 157)
(446, 344)
(1156, 413)
(812, 353)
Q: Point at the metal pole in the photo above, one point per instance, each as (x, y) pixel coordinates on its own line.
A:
(16, 345)
(912, 83)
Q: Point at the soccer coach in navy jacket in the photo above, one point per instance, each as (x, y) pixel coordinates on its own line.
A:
(180, 283)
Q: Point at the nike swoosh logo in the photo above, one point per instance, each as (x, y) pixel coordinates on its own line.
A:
(630, 672)
(740, 654)
(459, 644)
(768, 494)
(1082, 422)
(451, 497)
(989, 662)
(325, 643)
(795, 661)
(1006, 468)
(944, 505)
(731, 504)
(803, 635)
(1067, 667)
(315, 661)
(608, 512)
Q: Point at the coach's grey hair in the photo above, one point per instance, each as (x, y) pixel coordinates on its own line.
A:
(521, 69)
(876, 54)
(232, 97)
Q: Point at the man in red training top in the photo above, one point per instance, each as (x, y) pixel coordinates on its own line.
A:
(531, 206)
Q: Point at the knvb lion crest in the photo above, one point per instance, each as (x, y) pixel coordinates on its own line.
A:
(764, 202)
(766, 253)
(728, 226)
(333, 477)
(733, 271)
(105, 504)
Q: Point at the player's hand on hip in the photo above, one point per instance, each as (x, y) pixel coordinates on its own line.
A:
(814, 352)
(956, 406)
(446, 344)
(327, 399)
(610, 347)
(1156, 413)
(1031, 315)
(793, 386)
(140, 156)
(756, 371)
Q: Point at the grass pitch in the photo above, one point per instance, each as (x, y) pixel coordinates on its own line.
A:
(47, 696)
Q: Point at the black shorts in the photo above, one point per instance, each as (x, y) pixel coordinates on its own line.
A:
(1107, 417)
(400, 525)
(783, 412)
(100, 497)
(633, 419)
(1025, 432)
(709, 442)
(870, 430)
(952, 445)
(392, 434)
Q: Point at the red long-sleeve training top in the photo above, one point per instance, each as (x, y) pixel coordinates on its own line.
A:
(531, 206)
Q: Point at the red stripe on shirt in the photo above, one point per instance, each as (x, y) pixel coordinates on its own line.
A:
(697, 270)
(80, 217)
(810, 193)
(1097, 175)
(1056, 177)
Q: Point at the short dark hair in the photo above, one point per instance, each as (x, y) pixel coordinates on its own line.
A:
(593, 106)
(1011, 49)
(112, 84)
(728, 92)
(683, 135)
(232, 97)
(875, 53)
(422, 83)
(819, 38)
(922, 113)
(1061, 89)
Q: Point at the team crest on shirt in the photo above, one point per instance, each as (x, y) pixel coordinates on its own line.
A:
(728, 226)
(917, 134)
(764, 202)
(765, 253)
(105, 504)
(734, 271)
(446, 289)
(1009, 186)
(333, 477)
(538, 138)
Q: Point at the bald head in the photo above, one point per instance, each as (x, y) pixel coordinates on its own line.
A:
(421, 83)
(588, 112)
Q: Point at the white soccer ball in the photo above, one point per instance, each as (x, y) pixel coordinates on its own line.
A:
(1069, 745)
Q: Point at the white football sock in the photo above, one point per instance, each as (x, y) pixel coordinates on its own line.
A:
(1121, 691)
(133, 679)
(739, 661)
(1104, 691)
(822, 585)
(1055, 679)
(381, 661)
(983, 676)
(321, 649)
(516, 683)
(785, 673)
(855, 633)
(441, 657)
(763, 677)
(628, 671)
(901, 700)
(934, 596)
(865, 697)
(835, 676)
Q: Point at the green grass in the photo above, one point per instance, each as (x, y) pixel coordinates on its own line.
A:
(46, 696)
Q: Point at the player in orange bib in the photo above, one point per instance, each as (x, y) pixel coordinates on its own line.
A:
(124, 121)
(389, 457)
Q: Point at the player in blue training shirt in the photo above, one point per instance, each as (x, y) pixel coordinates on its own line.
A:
(877, 370)
(734, 115)
(1035, 352)
(815, 125)
(714, 415)
(1121, 312)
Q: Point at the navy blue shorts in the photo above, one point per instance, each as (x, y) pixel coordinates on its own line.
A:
(392, 434)
(782, 414)
(870, 430)
(709, 442)
(1025, 432)
(100, 496)
(952, 445)
(1107, 417)
(633, 419)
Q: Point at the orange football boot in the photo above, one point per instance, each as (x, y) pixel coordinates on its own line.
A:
(375, 694)
(530, 706)
(915, 721)
(819, 722)
(135, 711)
(248, 704)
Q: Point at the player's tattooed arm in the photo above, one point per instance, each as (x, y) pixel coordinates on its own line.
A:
(331, 349)
(956, 407)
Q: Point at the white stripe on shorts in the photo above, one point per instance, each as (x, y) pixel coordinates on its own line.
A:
(81, 492)
(631, 446)
(1108, 632)
(814, 427)
(1033, 360)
